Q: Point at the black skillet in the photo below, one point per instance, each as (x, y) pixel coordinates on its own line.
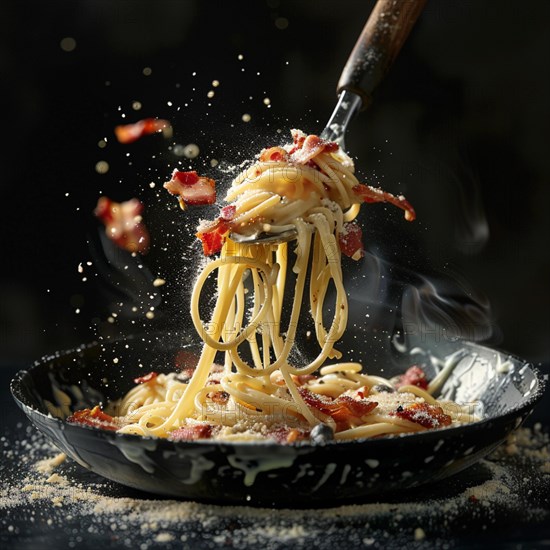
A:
(269, 474)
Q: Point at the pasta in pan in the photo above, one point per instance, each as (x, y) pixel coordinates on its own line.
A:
(308, 187)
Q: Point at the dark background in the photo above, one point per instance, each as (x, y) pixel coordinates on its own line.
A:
(459, 125)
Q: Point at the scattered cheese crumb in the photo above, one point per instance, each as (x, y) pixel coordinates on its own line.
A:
(57, 501)
(55, 478)
(48, 464)
(164, 537)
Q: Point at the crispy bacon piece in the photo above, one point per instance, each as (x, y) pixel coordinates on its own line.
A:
(345, 410)
(213, 236)
(305, 149)
(414, 376)
(93, 417)
(273, 154)
(370, 194)
(191, 189)
(351, 241)
(428, 416)
(192, 433)
(128, 133)
(146, 378)
(123, 223)
(348, 406)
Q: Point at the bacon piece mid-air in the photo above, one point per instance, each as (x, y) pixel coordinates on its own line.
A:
(191, 189)
(351, 241)
(414, 376)
(428, 416)
(345, 410)
(370, 194)
(94, 417)
(128, 133)
(123, 223)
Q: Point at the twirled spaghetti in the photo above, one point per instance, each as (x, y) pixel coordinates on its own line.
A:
(309, 187)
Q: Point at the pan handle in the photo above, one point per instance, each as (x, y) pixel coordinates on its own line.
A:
(386, 30)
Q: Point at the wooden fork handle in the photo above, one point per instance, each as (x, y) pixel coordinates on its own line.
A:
(385, 32)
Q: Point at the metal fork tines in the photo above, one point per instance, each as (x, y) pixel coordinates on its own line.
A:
(348, 104)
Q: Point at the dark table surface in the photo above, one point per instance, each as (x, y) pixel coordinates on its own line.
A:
(502, 502)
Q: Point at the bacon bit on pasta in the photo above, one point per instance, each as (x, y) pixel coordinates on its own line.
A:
(128, 133)
(351, 241)
(273, 154)
(94, 417)
(369, 194)
(308, 148)
(428, 416)
(285, 434)
(357, 408)
(345, 410)
(123, 223)
(220, 397)
(213, 236)
(227, 213)
(192, 433)
(191, 189)
(414, 376)
(298, 138)
(146, 378)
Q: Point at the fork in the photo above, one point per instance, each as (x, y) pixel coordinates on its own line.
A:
(385, 32)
